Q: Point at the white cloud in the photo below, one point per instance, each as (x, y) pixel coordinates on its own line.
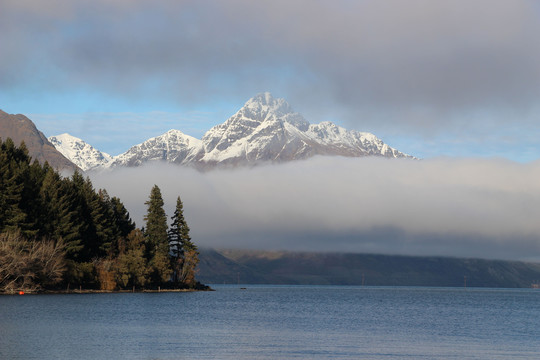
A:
(483, 208)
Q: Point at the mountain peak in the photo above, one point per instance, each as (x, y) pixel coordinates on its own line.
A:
(173, 146)
(261, 113)
(82, 154)
(265, 97)
(264, 104)
(66, 137)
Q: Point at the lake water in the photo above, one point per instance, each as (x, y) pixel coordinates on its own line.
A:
(275, 322)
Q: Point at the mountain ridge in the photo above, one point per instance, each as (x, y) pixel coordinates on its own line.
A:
(264, 130)
(236, 266)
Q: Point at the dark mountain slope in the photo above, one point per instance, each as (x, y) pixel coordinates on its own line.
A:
(20, 128)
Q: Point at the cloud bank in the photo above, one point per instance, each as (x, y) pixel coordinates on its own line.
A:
(420, 65)
(469, 208)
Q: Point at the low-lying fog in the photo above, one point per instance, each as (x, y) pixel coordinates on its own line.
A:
(451, 207)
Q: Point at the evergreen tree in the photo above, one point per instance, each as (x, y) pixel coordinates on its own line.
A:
(68, 224)
(121, 217)
(49, 194)
(32, 202)
(156, 238)
(103, 221)
(13, 163)
(185, 254)
(179, 231)
(123, 224)
(80, 193)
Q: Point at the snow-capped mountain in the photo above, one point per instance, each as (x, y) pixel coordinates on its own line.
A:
(264, 130)
(267, 129)
(174, 146)
(82, 154)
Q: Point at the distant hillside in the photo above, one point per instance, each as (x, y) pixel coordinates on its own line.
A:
(263, 267)
(20, 128)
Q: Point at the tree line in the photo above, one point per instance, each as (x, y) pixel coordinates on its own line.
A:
(59, 233)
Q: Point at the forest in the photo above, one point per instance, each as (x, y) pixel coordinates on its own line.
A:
(59, 234)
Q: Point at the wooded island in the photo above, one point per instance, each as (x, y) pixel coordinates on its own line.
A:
(59, 233)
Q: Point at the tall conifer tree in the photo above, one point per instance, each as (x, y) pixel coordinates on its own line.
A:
(123, 224)
(13, 167)
(156, 237)
(179, 231)
(186, 256)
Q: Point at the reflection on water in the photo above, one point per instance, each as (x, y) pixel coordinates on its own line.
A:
(275, 322)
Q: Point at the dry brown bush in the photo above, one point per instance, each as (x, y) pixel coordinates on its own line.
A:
(188, 268)
(29, 266)
(106, 274)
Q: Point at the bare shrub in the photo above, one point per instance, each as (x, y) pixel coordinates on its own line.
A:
(29, 265)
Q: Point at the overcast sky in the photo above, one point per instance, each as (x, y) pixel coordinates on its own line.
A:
(456, 83)
(453, 78)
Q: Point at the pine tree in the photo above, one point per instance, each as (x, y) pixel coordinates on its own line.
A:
(123, 225)
(179, 231)
(121, 217)
(13, 169)
(185, 254)
(156, 238)
(103, 221)
(49, 194)
(68, 224)
(32, 202)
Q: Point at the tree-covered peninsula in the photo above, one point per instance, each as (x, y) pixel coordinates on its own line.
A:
(59, 233)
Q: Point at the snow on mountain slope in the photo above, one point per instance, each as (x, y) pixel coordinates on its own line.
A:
(267, 129)
(82, 154)
(351, 142)
(174, 146)
(264, 130)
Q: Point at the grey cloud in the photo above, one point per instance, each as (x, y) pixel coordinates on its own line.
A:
(446, 57)
(439, 207)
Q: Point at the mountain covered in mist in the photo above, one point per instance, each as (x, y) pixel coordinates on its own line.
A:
(264, 130)
(310, 268)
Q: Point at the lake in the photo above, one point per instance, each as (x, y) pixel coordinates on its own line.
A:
(275, 322)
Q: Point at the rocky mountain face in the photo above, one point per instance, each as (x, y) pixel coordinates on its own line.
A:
(84, 155)
(264, 130)
(20, 128)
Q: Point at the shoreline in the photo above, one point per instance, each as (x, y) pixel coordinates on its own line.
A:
(91, 291)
